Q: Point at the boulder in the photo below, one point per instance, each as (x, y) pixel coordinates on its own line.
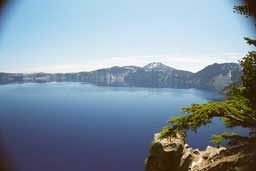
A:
(168, 154)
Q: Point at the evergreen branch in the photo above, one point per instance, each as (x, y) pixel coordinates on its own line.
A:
(250, 41)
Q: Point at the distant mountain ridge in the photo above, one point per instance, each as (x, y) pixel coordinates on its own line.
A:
(156, 74)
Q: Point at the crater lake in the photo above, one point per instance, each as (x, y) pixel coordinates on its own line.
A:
(82, 127)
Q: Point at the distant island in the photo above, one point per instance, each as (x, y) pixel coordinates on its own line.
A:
(156, 74)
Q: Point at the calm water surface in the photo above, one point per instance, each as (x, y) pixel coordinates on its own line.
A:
(81, 127)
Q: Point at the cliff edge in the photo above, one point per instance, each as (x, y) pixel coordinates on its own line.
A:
(172, 154)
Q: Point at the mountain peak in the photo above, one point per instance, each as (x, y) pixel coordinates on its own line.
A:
(157, 66)
(154, 65)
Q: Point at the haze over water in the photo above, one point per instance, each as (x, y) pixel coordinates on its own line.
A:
(74, 126)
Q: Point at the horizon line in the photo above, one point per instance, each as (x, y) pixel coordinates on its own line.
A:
(108, 67)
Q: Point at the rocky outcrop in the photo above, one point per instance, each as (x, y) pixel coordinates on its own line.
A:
(172, 154)
(167, 154)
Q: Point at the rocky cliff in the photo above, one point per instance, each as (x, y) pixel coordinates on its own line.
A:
(172, 154)
(215, 77)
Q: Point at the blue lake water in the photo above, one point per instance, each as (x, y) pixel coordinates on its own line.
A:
(82, 127)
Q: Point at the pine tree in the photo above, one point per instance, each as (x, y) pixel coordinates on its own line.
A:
(238, 109)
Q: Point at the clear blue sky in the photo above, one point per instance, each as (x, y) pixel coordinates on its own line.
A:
(65, 35)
